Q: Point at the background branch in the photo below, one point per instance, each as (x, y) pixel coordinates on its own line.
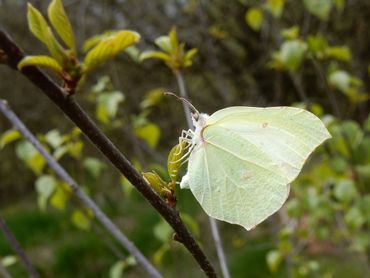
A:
(69, 106)
(18, 249)
(87, 201)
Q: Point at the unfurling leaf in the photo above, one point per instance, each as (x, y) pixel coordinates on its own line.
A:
(164, 43)
(41, 61)
(41, 30)
(61, 23)
(154, 55)
(175, 159)
(254, 18)
(110, 47)
(155, 181)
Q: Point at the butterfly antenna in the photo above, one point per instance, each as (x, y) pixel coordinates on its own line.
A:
(187, 102)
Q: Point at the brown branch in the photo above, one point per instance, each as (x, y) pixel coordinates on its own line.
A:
(71, 108)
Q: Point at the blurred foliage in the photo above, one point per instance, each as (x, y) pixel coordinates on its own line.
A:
(310, 53)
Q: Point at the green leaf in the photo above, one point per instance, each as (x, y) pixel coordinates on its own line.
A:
(354, 218)
(41, 30)
(9, 136)
(290, 33)
(292, 53)
(53, 138)
(45, 186)
(61, 23)
(93, 166)
(81, 219)
(174, 160)
(173, 40)
(152, 98)
(42, 61)
(163, 231)
(8, 260)
(319, 8)
(164, 43)
(345, 191)
(274, 259)
(60, 197)
(107, 106)
(275, 7)
(155, 181)
(110, 47)
(93, 41)
(154, 55)
(117, 270)
(75, 149)
(150, 133)
(340, 79)
(254, 18)
(342, 53)
(28, 154)
(189, 56)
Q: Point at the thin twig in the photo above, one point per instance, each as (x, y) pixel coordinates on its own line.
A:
(213, 223)
(78, 116)
(86, 200)
(18, 249)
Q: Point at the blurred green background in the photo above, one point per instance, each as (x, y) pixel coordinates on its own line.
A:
(313, 54)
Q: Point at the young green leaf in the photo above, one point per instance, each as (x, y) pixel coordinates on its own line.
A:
(61, 23)
(189, 56)
(110, 47)
(41, 30)
(41, 61)
(45, 186)
(155, 181)
(8, 137)
(319, 8)
(292, 53)
(174, 160)
(164, 43)
(173, 40)
(254, 18)
(150, 133)
(275, 7)
(155, 55)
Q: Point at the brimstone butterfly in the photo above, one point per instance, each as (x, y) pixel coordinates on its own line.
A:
(243, 159)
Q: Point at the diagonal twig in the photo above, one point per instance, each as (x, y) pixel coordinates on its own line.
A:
(18, 249)
(87, 201)
(77, 115)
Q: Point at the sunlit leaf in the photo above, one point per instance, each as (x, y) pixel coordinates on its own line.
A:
(41, 61)
(152, 98)
(61, 23)
(275, 7)
(254, 18)
(93, 41)
(28, 154)
(8, 137)
(60, 197)
(41, 30)
(45, 186)
(155, 181)
(274, 259)
(75, 149)
(150, 133)
(154, 55)
(340, 79)
(82, 219)
(8, 260)
(290, 33)
(110, 47)
(174, 160)
(345, 191)
(341, 53)
(53, 138)
(93, 166)
(189, 56)
(107, 105)
(292, 53)
(319, 8)
(173, 40)
(164, 43)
